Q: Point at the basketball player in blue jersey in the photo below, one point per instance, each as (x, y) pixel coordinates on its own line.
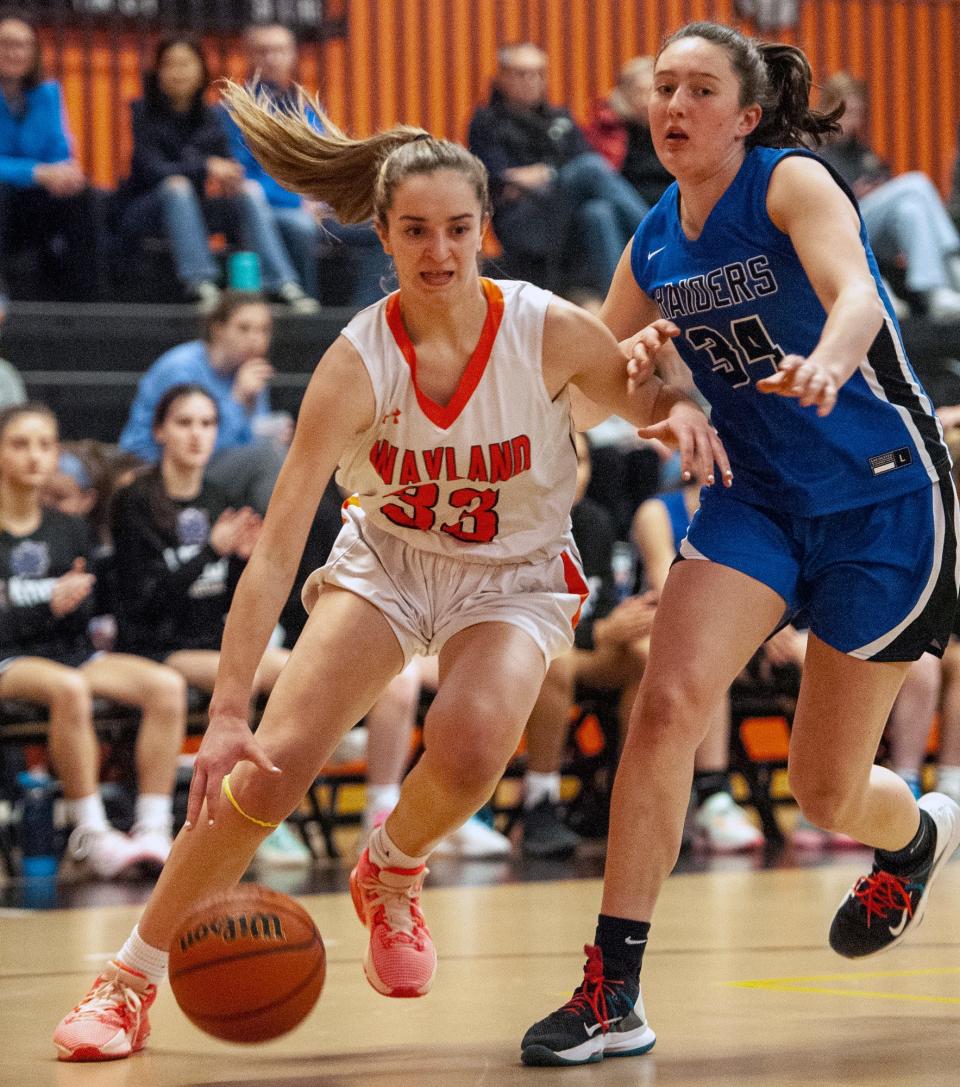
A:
(841, 513)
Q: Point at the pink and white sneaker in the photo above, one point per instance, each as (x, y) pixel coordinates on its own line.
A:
(111, 1021)
(401, 959)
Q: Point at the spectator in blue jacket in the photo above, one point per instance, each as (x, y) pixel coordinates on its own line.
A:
(302, 226)
(230, 362)
(185, 183)
(43, 193)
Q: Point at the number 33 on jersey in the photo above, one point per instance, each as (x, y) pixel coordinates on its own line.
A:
(490, 476)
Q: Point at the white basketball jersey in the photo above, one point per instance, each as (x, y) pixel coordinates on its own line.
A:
(489, 477)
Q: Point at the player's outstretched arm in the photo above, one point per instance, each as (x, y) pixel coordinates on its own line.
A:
(807, 204)
(581, 350)
(338, 404)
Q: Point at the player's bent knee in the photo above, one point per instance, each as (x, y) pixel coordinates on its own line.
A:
(824, 803)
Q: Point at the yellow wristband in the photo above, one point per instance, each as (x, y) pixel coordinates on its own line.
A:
(233, 801)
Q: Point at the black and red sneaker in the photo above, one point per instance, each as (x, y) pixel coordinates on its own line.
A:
(603, 1018)
(881, 908)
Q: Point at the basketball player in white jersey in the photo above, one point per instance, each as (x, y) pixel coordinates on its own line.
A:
(446, 408)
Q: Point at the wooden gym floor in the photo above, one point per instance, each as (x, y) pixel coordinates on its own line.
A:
(739, 985)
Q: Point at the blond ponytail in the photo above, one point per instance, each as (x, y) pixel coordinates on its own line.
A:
(328, 166)
(356, 178)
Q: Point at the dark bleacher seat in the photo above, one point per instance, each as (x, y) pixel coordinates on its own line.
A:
(85, 360)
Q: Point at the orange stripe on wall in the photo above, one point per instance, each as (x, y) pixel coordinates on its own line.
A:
(396, 65)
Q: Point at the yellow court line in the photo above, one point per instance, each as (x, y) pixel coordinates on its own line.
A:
(865, 993)
(801, 985)
(925, 971)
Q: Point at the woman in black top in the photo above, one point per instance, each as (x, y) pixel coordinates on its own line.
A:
(178, 553)
(46, 656)
(184, 184)
(179, 548)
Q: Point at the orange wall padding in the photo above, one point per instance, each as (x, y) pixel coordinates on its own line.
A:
(429, 62)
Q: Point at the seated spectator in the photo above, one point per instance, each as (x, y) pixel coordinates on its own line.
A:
(179, 549)
(230, 363)
(904, 215)
(45, 199)
(302, 225)
(184, 183)
(620, 131)
(554, 198)
(47, 657)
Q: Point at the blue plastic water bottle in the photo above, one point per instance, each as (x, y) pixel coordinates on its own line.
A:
(243, 272)
(37, 834)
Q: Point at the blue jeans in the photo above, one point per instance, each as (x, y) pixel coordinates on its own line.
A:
(607, 209)
(301, 236)
(175, 209)
(906, 215)
(358, 247)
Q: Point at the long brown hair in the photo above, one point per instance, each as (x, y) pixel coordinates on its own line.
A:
(355, 177)
(777, 77)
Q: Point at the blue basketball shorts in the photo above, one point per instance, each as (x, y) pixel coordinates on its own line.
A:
(878, 582)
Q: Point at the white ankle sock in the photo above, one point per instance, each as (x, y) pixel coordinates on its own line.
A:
(386, 854)
(948, 779)
(154, 810)
(150, 961)
(381, 798)
(87, 811)
(536, 786)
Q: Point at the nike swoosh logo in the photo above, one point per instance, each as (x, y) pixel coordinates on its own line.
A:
(596, 1026)
(628, 940)
(654, 252)
(895, 930)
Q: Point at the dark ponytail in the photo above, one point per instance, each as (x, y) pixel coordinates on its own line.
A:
(788, 120)
(776, 77)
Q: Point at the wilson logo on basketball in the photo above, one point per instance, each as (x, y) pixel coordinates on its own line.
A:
(258, 926)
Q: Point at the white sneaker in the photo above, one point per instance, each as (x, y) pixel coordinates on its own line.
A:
(153, 846)
(205, 295)
(947, 789)
(104, 854)
(352, 747)
(284, 848)
(900, 307)
(943, 303)
(293, 295)
(724, 827)
(475, 841)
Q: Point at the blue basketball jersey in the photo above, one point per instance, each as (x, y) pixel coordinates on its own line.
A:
(676, 505)
(742, 301)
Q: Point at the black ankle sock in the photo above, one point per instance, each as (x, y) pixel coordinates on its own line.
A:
(622, 943)
(916, 854)
(708, 782)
